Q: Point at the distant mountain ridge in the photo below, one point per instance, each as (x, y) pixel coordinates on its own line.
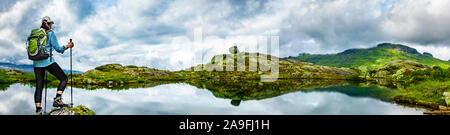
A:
(26, 67)
(372, 57)
(398, 47)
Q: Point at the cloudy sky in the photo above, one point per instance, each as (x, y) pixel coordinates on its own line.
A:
(160, 34)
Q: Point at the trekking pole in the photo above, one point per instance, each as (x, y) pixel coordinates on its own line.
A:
(45, 96)
(71, 78)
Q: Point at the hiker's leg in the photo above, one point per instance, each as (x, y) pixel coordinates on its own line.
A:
(56, 71)
(39, 76)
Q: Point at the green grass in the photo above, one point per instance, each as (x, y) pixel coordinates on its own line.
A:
(440, 74)
(371, 57)
(4, 78)
(82, 110)
(428, 92)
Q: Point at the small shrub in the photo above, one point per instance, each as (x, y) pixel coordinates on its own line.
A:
(102, 68)
(4, 78)
(132, 66)
(392, 67)
(419, 75)
(418, 78)
(354, 77)
(440, 74)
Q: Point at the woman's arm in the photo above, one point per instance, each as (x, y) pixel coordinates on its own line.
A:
(55, 44)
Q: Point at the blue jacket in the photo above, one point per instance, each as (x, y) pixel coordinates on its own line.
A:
(53, 42)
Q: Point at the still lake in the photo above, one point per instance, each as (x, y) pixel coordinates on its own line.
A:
(183, 98)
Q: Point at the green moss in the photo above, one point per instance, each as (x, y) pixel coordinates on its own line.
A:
(82, 110)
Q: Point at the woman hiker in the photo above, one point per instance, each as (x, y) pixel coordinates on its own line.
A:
(40, 66)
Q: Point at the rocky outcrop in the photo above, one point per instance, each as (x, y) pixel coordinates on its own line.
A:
(443, 110)
(62, 111)
(234, 50)
(399, 70)
(79, 110)
(116, 74)
(288, 68)
(398, 47)
(14, 72)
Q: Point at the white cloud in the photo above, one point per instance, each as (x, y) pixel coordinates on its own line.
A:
(10, 42)
(144, 32)
(333, 25)
(441, 52)
(425, 21)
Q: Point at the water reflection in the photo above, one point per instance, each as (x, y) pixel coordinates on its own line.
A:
(236, 102)
(181, 98)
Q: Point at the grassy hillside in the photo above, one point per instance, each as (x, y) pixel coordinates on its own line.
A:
(288, 69)
(372, 57)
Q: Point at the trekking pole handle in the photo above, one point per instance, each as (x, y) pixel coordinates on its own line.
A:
(71, 77)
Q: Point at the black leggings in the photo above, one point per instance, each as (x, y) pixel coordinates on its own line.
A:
(39, 73)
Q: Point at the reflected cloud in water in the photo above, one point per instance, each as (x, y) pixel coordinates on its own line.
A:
(187, 99)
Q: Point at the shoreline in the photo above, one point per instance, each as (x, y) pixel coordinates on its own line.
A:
(397, 100)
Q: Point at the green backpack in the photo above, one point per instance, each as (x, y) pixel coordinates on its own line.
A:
(36, 45)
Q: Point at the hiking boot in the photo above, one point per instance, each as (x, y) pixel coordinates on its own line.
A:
(39, 112)
(57, 102)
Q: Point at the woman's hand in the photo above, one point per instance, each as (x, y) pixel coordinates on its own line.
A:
(70, 45)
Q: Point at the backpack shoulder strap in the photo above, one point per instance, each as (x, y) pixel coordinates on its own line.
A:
(51, 45)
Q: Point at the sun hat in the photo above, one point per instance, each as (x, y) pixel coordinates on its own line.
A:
(48, 19)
